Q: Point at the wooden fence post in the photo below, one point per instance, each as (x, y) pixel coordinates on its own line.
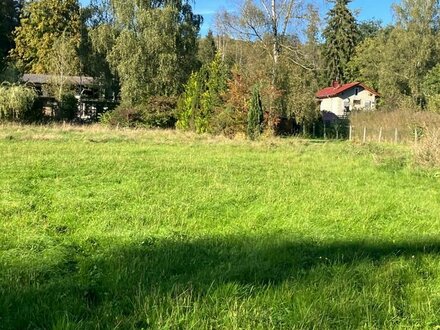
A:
(365, 135)
(380, 134)
(395, 136)
(350, 136)
(416, 138)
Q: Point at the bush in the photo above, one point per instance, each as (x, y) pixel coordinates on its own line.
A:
(68, 107)
(16, 102)
(35, 113)
(228, 121)
(159, 112)
(123, 116)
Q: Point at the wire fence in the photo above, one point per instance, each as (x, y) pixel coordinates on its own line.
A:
(395, 135)
(365, 134)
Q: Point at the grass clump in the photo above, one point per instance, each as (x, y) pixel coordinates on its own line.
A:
(166, 230)
(427, 150)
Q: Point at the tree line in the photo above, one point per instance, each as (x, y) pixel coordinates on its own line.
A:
(258, 71)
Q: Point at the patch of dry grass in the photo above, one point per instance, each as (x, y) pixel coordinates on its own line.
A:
(100, 134)
(427, 150)
(385, 123)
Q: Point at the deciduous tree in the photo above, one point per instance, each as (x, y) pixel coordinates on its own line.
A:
(397, 60)
(42, 22)
(63, 62)
(154, 49)
(9, 16)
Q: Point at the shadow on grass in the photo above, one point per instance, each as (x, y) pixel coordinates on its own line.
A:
(91, 281)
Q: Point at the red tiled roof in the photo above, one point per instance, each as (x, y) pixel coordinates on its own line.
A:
(333, 91)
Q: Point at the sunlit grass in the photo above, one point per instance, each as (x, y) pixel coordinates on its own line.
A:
(151, 229)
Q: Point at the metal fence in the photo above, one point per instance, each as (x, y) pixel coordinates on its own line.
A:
(394, 135)
(364, 134)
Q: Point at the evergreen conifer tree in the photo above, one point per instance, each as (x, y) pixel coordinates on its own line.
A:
(341, 37)
(255, 115)
(207, 49)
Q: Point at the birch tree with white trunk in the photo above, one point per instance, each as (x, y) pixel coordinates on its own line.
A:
(273, 23)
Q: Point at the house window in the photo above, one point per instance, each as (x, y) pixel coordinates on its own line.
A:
(367, 104)
(357, 102)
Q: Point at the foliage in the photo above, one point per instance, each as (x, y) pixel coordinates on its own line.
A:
(68, 107)
(369, 28)
(158, 112)
(299, 86)
(431, 89)
(9, 15)
(341, 37)
(270, 22)
(123, 116)
(10, 74)
(63, 62)
(97, 45)
(16, 102)
(231, 118)
(398, 60)
(189, 103)
(286, 62)
(155, 51)
(203, 94)
(207, 49)
(141, 51)
(255, 115)
(42, 22)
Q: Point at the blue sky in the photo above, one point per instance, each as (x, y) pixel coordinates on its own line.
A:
(368, 9)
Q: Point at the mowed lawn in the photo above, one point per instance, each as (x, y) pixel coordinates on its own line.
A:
(104, 229)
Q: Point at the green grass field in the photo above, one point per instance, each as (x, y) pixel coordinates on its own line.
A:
(105, 229)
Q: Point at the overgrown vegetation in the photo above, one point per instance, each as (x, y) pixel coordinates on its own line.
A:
(160, 229)
(411, 125)
(17, 102)
(427, 150)
(139, 54)
(159, 112)
(255, 115)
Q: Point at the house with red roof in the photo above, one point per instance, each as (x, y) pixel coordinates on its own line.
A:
(339, 100)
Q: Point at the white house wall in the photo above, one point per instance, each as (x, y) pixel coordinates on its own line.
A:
(364, 96)
(334, 105)
(365, 100)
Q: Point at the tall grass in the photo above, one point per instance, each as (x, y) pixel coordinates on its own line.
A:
(135, 229)
(427, 150)
(406, 122)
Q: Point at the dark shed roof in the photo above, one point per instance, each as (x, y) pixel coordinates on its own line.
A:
(45, 79)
